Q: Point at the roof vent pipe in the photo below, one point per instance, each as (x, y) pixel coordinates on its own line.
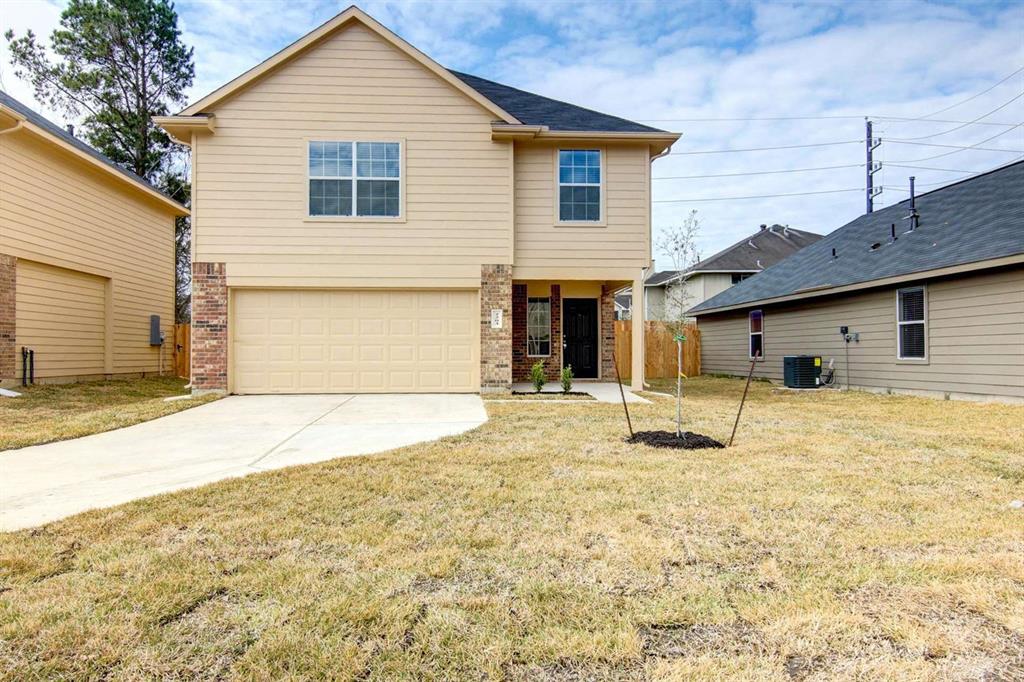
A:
(71, 130)
(892, 233)
(834, 256)
(764, 227)
(913, 207)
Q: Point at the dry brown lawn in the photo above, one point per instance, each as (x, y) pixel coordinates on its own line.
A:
(845, 536)
(48, 412)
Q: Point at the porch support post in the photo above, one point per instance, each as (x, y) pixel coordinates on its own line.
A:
(637, 371)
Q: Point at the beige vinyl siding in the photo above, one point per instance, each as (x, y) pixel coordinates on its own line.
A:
(57, 210)
(618, 246)
(61, 315)
(251, 203)
(713, 283)
(975, 337)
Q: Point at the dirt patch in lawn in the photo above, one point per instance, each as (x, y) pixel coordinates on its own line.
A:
(543, 395)
(665, 439)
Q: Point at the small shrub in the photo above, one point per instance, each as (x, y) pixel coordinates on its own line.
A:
(566, 378)
(537, 375)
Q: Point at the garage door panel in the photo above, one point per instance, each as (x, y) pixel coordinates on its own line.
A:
(349, 341)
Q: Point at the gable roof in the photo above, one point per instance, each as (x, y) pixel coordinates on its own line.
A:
(507, 104)
(57, 134)
(533, 109)
(352, 14)
(761, 250)
(972, 221)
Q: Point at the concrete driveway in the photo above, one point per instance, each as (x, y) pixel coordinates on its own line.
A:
(234, 436)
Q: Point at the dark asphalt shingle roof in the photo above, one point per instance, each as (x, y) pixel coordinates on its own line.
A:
(53, 128)
(761, 250)
(533, 109)
(973, 220)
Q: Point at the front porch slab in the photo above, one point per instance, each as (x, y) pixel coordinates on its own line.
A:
(603, 391)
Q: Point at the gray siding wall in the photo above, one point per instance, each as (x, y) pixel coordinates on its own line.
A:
(975, 337)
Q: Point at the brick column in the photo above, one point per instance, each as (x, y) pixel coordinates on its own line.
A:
(209, 328)
(520, 362)
(554, 365)
(8, 286)
(607, 332)
(495, 344)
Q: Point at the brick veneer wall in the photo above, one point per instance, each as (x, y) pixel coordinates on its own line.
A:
(209, 327)
(607, 332)
(521, 362)
(8, 285)
(495, 344)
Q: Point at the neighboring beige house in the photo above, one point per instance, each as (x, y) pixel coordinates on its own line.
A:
(365, 220)
(930, 292)
(86, 257)
(713, 275)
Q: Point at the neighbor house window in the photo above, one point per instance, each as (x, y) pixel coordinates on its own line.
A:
(738, 277)
(911, 311)
(579, 185)
(354, 179)
(756, 328)
(538, 326)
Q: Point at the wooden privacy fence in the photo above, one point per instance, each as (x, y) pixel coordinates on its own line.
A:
(182, 350)
(660, 361)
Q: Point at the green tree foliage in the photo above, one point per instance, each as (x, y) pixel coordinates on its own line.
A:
(176, 186)
(119, 63)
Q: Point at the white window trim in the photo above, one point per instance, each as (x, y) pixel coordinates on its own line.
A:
(751, 333)
(353, 139)
(602, 208)
(924, 322)
(551, 340)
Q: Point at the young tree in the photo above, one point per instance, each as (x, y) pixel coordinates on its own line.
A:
(679, 244)
(119, 63)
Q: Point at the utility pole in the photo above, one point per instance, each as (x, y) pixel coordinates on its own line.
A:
(871, 166)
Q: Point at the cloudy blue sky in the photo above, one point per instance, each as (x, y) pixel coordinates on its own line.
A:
(809, 71)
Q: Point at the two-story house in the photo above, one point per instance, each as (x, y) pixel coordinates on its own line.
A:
(365, 220)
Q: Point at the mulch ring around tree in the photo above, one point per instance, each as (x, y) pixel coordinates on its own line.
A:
(667, 439)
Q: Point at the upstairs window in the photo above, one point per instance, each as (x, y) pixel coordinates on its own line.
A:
(361, 179)
(755, 324)
(911, 312)
(538, 327)
(579, 185)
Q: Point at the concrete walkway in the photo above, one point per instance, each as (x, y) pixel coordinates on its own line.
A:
(234, 436)
(603, 391)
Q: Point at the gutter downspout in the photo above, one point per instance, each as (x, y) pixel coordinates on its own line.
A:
(643, 276)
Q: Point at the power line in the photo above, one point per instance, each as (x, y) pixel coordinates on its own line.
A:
(860, 117)
(930, 168)
(974, 97)
(963, 125)
(759, 196)
(766, 149)
(956, 149)
(768, 172)
(942, 120)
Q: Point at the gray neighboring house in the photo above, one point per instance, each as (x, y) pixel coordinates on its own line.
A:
(715, 274)
(937, 311)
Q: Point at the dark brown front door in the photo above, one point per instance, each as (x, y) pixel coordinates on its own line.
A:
(579, 336)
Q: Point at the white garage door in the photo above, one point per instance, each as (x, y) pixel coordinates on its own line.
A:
(346, 341)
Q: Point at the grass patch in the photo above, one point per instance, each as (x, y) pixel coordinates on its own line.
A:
(50, 412)
(844, 536)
